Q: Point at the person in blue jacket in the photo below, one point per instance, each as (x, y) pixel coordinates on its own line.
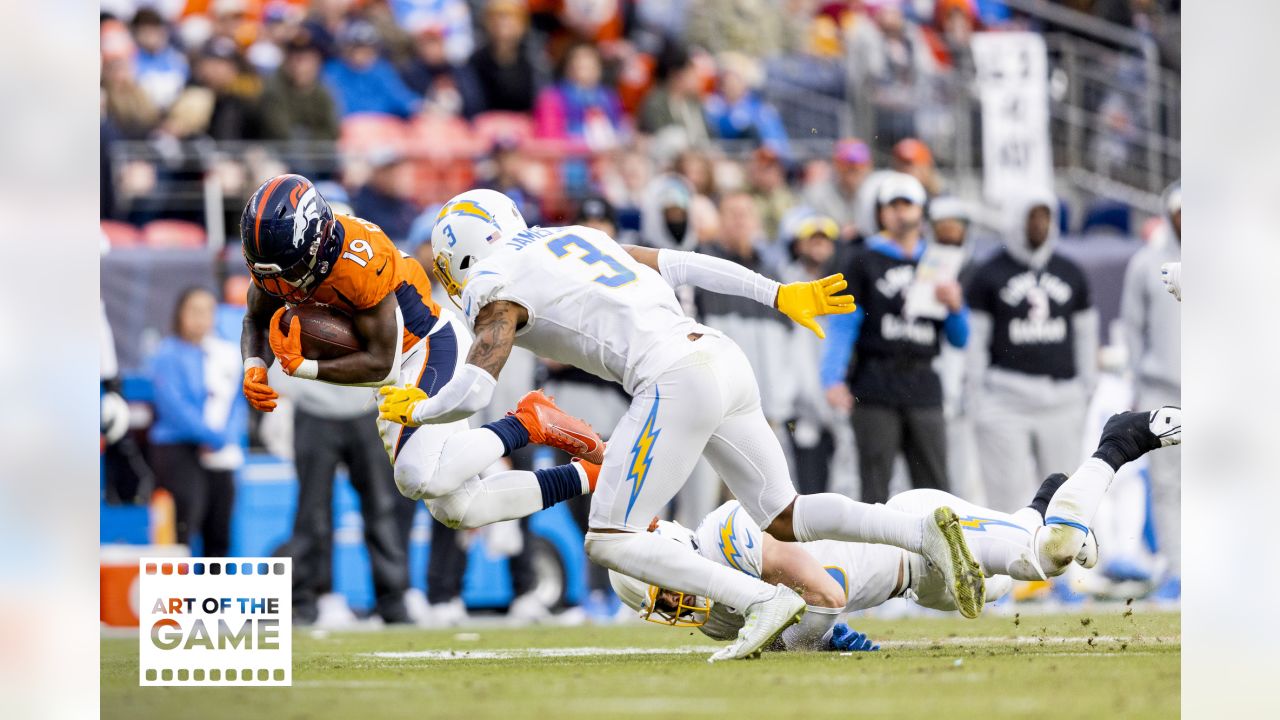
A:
(361, 81)
(201, 420)
(879, 359)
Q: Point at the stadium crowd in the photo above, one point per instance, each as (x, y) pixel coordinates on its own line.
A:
(667, 123)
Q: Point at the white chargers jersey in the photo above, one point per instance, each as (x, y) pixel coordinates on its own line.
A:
(868, 573)
(590, 304)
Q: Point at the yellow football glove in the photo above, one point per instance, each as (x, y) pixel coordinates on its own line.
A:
(803, 301)
(397, 403)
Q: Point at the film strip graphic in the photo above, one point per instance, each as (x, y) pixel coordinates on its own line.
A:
(215, 621)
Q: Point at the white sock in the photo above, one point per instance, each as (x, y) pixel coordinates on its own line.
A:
(1070, 514)
(829, 516)
(814, 629)
(664, 562)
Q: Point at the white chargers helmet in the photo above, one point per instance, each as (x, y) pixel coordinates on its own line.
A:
(658, 605)
(466, 230)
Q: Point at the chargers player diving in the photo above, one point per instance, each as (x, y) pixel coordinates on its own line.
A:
(575, 296)
(835, 577)
(300, 252)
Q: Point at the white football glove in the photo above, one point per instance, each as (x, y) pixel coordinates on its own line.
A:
(1171, 276)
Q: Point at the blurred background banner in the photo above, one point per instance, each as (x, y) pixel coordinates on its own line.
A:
(1013, 87)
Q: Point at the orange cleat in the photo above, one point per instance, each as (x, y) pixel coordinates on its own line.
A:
(591, 469)
(549, 425)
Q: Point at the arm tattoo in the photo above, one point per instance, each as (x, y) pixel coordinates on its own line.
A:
(495, 327)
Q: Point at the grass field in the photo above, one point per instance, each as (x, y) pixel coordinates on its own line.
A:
(1103, 663)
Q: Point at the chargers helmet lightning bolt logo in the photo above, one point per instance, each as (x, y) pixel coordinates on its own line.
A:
(642, 454)
(729, 544)
(465, 207)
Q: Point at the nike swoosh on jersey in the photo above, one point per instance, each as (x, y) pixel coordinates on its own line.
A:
(384, 267)
(751, 542)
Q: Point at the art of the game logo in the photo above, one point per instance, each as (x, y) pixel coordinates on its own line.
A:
(215, 621)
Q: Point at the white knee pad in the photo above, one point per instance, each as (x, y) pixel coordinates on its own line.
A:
(425, 476)
(413, 473)
(451, 510)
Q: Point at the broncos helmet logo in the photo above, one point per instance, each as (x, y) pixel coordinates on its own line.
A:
(307, 219)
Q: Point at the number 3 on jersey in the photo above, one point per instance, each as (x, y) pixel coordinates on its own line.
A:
(592, 255)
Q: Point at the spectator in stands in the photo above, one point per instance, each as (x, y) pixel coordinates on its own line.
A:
(221, 103)
(580, 107)
(507, 67)
(737, 112)
(912, 156)
(451, 17)
(762, 28)
(1153, 332)
(761, 332)
(200, 423)
(296, 105)
(767, 179)
(677, 100)
(811, 421)
(696, 167)
(510, 170)
(664, 216)
(129, 110)
(386, 200)
(444, 87)
(324, 23)
(882, 358)
(837, 196)
(1032, 359)
(362, 82)
(335, 425)
(901, 69)
(161, 70)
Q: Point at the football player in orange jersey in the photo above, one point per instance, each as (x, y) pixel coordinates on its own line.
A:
(300, 252)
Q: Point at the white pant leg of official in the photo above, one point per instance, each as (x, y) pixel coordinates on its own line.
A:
(1165, 468)
(1056, 434)
(1002, 436)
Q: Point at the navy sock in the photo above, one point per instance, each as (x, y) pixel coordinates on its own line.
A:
(510, 432)
(558, 484)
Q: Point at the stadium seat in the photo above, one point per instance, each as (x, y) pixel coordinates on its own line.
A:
(121, 234)
(173, 234)
(364, 133)
(439, 136)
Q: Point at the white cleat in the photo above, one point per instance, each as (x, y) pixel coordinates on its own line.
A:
(944, 546)
(1166, 425)
(765, 621)
(1088, 555)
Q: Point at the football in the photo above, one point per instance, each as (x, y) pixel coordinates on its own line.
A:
(327, 333)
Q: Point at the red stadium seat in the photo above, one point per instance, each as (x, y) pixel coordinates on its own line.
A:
(173, 234)
(439, 136)
(121, 234)
(369, 132)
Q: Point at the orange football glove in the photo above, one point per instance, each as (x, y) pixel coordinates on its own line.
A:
(288, 348)
(256, 390)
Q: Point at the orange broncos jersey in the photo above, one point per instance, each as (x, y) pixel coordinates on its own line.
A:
(369, 268)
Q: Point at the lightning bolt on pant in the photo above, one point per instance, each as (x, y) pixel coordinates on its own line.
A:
(708, 402)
